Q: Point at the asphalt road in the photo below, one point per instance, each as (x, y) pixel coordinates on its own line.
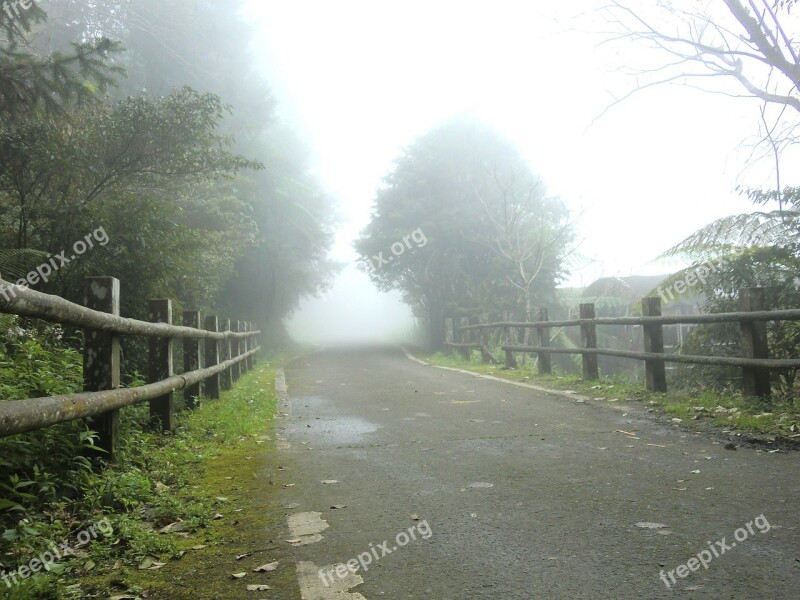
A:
(518, 493)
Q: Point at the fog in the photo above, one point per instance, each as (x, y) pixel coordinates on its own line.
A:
(362, 80)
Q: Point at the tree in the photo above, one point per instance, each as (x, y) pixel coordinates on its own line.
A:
(153, 174)
(444, 188)
(759, 249)
(205, 45)
(753, 43)
(528, 229)
(30, 80)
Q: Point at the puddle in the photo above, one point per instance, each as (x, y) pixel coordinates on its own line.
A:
(338, 430)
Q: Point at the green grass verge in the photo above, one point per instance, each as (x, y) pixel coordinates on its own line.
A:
(732, 411)
(182, 507)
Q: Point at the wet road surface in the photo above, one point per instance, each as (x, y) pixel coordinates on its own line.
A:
(512, 493)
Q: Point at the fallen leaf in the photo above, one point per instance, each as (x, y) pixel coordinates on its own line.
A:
(329, 481)
(294, 541)
(338, 506)
(238, 575)
(218, 516)
(648, 525)
(415, 517)
(146, 563)
(258, 588)
(171, 527)
(199, 547)
(267, 568)
(245, 555)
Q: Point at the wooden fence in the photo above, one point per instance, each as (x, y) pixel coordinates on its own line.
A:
(752, 318)
(227, 352)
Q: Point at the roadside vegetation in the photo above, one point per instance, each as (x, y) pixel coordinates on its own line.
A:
(776, 417)
(168, 497)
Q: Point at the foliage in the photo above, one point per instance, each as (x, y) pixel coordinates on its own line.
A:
(484, 215)
(761, 249)
(50, 465)
(30, 82)
(152, 485)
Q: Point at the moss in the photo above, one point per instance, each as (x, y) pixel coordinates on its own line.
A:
(220, 461)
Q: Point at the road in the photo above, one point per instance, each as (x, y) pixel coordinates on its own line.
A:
(516, 493)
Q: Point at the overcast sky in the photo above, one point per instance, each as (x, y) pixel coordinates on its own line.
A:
(362, 79)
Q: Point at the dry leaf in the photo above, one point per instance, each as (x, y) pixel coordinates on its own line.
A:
(218, 516)
(338, 506)
(648, 525)
(245, 555)
(267, 568)
(329, 481)
(258, 588)
(415, 517)
(238, 575)
(199, 547)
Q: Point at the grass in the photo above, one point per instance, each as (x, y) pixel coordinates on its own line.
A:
(183, 506)
(731, 411)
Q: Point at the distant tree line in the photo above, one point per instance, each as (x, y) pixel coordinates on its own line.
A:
(146, 118)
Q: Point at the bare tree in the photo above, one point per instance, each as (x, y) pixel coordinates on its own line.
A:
(529, 229)
(753, 43)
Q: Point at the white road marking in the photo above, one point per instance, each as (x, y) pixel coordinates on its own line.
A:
(312, 586)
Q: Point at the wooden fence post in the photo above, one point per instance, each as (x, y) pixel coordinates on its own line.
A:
(486, 355)
(244, 345)
(162, 409)
(543, 340)
(236, 349)
(655, 370)
(251, 345)
(212, 357)
(589, 340)
(449, 327)
(101, 358)
(508, 337)
(754, 343)
(191, 357)
(225, 381)
(464, 338)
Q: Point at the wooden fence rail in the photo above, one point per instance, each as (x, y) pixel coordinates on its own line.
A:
(208, 367)
(755, 361)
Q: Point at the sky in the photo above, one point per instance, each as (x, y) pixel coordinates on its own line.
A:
(360, 80)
